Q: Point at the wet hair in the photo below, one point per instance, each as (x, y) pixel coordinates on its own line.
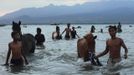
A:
(57, 28)
(39, 29)
(14, 33)
(112, 27)
(73, 27)
(68, 24)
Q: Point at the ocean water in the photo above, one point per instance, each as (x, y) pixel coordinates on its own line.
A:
(60, 57)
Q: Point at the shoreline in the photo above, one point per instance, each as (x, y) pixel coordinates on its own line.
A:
(53, 24)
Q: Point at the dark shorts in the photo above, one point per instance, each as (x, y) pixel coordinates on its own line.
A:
(67, 37)
(17, 61)
(58, 37)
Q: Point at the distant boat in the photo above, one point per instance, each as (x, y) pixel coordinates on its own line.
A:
(25, 26)
(130, 25)
(1, 25)
(79, 27)
(55, 24)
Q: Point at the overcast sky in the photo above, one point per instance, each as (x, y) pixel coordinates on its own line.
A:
(7, 6)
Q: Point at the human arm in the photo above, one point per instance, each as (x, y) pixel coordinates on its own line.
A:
(8, 54)
(63, 32)
(22, 52)
(77, 35)
(53, 35)
(125, 48)
(43, 38)
(104, 52)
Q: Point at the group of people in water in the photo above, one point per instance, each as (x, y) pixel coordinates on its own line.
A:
(69, 33)
(85, 46)
(118, 27)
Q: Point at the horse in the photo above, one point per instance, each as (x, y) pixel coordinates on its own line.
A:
(28, 40)
(86, 49)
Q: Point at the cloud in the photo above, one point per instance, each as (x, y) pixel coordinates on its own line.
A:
(11, 5)
(39, 3)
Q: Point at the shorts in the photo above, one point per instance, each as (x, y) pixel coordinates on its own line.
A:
(67, 37)
(17, 61)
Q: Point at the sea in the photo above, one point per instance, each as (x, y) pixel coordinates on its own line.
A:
(59, 57)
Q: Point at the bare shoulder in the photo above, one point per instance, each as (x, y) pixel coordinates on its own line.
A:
(10, 43)
(107, 40)
(120, 39)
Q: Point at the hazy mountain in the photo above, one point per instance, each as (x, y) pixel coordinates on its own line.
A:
(91, 12)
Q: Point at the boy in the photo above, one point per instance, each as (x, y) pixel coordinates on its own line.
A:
(113, 46)
(74, 33)
(40, 38)
(15, 47)
(68, 32)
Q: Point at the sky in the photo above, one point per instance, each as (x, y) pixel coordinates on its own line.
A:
(8, 6)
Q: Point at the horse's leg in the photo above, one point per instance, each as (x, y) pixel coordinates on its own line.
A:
(33, 48)
(93, 61)
(98, 62)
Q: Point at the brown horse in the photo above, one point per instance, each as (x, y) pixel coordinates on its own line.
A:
(86, 49)
(28, 40)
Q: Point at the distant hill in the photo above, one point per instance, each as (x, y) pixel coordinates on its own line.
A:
(91, 12)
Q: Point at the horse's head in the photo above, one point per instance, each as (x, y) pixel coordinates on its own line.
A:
(16, 26)
(90, 37)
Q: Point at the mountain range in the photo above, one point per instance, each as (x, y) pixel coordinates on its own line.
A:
(90, 12)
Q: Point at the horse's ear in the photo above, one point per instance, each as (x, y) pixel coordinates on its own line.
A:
(19, 23)
(95, 37)
(85, 36)
(13, 22)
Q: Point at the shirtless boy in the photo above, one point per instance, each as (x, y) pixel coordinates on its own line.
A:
(68, 32)
(74, 33)
(39, 37)
(15, 47)
(113, 46)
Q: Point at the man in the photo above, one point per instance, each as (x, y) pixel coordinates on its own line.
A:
(113, 46)
(15, 47)
(92, 29)
(40, 38)
(74, 33)
(56, 34)
(68, 32)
